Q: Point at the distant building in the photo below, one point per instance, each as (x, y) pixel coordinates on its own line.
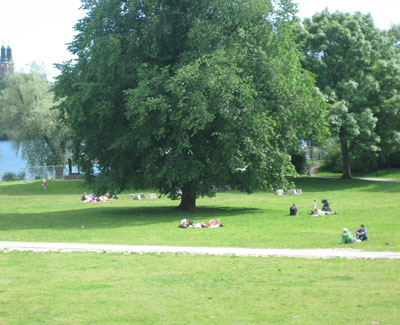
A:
(6, 60)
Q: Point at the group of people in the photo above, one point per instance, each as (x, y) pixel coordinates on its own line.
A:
(361, 235)
(347, 236)
(190, 224)
(326, 210)
(93, 199)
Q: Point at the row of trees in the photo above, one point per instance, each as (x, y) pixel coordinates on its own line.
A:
(357, 68)
(207, 94)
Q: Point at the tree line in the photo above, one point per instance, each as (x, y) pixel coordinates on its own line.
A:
(191, 97)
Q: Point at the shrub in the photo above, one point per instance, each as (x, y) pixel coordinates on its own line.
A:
(299, 161)
(333, 159)
(8, 176)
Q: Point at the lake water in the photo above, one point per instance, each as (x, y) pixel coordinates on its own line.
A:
(11, 161)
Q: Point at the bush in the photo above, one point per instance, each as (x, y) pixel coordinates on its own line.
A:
(333, 159)
(21, 175)
(9, 176)
(299, 161)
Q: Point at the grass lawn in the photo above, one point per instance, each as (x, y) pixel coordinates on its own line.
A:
(90, 288)
(384, 173)
(259, 220)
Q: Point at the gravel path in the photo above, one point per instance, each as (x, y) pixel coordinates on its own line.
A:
(126, 249)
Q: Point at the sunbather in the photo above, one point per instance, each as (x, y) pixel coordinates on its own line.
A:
(318, 213)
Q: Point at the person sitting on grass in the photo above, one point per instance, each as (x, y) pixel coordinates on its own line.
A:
(84, 197)
(361, 233)
(325, 205)
(347, 236)
(293, 210)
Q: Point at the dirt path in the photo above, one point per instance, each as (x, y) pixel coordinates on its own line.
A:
(349, 253)
(314, 168)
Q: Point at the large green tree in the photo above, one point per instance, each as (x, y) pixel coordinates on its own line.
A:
(191, 95)
(357, 69)
(29, 119)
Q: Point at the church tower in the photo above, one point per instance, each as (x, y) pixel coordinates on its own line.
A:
(6, 60)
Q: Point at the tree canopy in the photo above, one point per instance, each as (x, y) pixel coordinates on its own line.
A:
(357, 69)
(28, 118)
(190, 95)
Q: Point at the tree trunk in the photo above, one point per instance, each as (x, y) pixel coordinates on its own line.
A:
(345, 158)
(188, 201)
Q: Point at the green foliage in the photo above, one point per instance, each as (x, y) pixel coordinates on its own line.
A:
(190, 94)
(299, 161)
(394, 33)
(29, 119)
(9, 176)
(357, 68)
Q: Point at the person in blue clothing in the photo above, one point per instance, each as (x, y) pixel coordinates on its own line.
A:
(362, 233)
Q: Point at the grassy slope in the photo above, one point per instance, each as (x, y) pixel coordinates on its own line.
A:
(258, 220)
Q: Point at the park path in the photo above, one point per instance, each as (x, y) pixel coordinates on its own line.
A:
(263, 252)
(314, 168)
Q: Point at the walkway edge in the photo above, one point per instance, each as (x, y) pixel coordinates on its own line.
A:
(126, 249)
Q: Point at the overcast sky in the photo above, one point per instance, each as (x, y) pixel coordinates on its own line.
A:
(38, 30)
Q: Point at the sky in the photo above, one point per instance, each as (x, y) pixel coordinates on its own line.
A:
(39, 30)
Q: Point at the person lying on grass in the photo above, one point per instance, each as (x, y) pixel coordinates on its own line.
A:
(318, 212)
(93, 199)
(190, 224)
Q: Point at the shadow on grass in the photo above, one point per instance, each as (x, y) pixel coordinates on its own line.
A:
(113, 217)
(307, 184)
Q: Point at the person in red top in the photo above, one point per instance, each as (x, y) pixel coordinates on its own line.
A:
(44, 185)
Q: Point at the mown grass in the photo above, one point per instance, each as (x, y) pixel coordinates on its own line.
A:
(261, 219)
(383, 173)
(90, 288)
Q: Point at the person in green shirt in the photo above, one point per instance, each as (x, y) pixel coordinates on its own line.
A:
(347, 236)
